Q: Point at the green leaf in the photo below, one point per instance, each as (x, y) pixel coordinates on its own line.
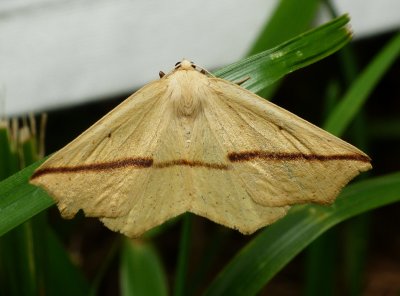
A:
(182, 265)
(321, 261)
(28, 151)
(33, 261)
(356, 96)
(141, 270)
(18, 266)
(267, 67)
(289, 19)
(19, 201)
(285, 23)
(61, 276)
(275, 246)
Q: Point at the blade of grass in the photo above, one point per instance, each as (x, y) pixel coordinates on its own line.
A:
(274, 247)
(32, 230)
(183, 255)
(267, 67)
(19, 201)
(141, 270)
(321, 260)
(357, 234)
(356, 96)
(214, 246)
(285, 23)
(18, 264)
(62, 277)
(106, 264)
(289, 19)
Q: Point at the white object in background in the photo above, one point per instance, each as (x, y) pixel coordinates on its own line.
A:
(60, 53)
(369, 17)
(56, 53)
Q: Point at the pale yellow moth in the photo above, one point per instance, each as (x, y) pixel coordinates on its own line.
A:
(193, 142)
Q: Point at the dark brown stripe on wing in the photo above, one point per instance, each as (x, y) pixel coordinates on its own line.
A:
(124, 163)
(101, 166)
(147, 162)
(190, 163)
(250, 155)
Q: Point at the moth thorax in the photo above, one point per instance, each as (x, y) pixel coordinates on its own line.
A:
(186, 103)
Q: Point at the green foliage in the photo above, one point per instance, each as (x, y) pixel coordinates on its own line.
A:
(274, 247)
(355, 97)
(141, 270)
(268, 66)
(283, 26)
(31, 257)
(19, 200)
(34, 261)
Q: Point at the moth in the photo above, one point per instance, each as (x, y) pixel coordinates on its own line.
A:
(191, 142)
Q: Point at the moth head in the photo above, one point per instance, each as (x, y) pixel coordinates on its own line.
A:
(188, 65)
(185, 65)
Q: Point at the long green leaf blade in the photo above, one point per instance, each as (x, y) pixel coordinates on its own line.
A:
(267, 67)
(141, 271)
(62, 277)
(19, 200)
(285, 23)
(274, 247)
(289, 19)
(345, 111)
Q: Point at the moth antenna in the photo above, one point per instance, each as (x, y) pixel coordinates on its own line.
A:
(202, 70)
(161, 74)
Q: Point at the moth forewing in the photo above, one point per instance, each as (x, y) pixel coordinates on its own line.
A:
(282, 158)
